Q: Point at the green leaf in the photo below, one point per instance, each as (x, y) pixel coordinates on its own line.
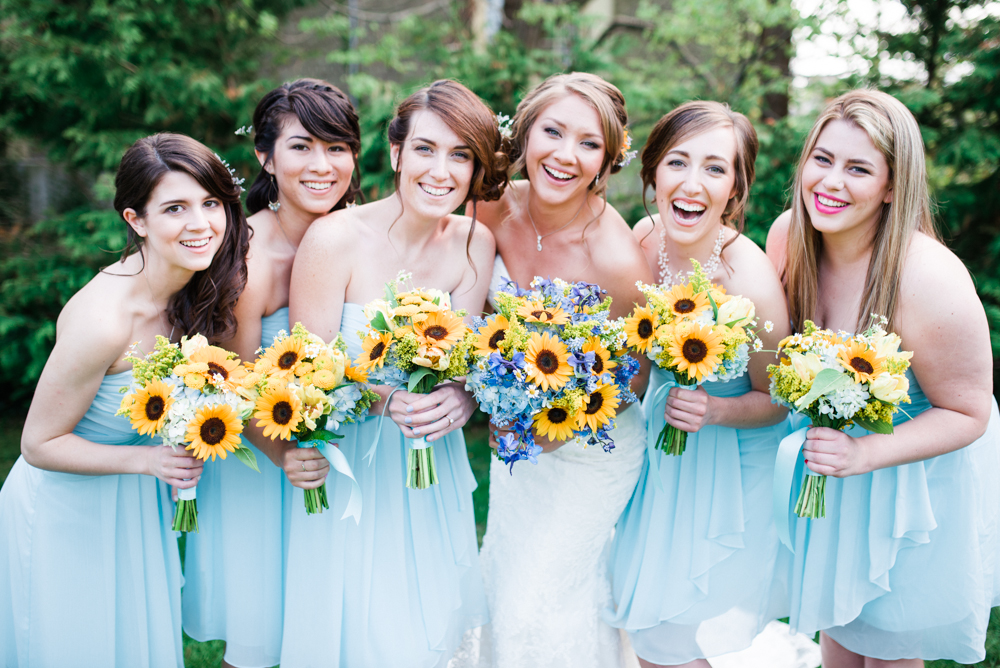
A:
(379, 323)
(826, 382)
(247, 456)
(715, 307)
(876, 427)
(325, 435)
(422, 381)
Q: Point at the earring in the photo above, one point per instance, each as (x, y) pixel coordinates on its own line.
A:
(274, 204)
(597, 179)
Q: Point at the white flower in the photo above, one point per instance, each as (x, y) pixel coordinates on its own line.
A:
(192, 345)
(890, 388)
(768, 326)
(806, 366)
(737, 308)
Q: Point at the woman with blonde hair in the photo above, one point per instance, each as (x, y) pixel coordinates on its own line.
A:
(545, 550)
(903, 566)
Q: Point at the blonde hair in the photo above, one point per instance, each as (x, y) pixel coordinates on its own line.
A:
(895, 134)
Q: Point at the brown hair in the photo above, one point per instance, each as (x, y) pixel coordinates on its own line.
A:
(324, 111)
(206, 304)
(894, 132)
(694, 118)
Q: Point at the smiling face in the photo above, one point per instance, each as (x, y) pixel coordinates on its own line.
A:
(845, 180)
(184, 224)
(695, 179)
(435, 167)
(312, 174)
(565, 150)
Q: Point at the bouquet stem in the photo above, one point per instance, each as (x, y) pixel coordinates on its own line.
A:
(316, 500)
(812, 497)
(421, 472)
(672, 440)
(186, 511)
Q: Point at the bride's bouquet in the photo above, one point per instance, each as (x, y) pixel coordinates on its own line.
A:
(414, 339)
(695, 331)
(836, 380)
(550, 362)
(191, 395)
(304, 390)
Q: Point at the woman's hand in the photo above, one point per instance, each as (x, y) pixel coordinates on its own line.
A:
(305, 468)
(174, 466)
(432, 415)
(834, 453)
(688, 410)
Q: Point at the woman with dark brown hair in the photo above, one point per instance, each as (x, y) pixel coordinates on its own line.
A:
(401, 587)
(90, 570)
(307, 139)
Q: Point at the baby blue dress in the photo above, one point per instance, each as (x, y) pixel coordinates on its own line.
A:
(905, 564)
(693, 561)
(89, 571)
(401, 587)
(234, 567)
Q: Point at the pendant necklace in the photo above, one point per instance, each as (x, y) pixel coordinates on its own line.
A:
(710, 267)
(531, 220)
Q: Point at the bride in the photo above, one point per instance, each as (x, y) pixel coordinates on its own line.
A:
(544, 556)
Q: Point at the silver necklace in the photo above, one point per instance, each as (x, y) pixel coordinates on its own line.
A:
(531, 220)
(710, 267)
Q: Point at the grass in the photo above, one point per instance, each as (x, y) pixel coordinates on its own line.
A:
(209, 654)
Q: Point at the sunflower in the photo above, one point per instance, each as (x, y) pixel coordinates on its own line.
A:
(279, 413)
(602, 356)
(602, 405)
(547, 361)
(556, 423)
(640, 328)
(862, 361)
(217, 363)
(440, 330)
(536, 312)
(148, 410)
(489, 338)
(684, 302)
(215, 430)
(696, 349)
(285, 356)
(374, 348)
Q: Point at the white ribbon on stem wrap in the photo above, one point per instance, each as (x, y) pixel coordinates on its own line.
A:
(418, 443)
(784, 473)
(339, 462)
(189, 494)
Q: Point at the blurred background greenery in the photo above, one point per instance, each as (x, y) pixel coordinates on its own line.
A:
(81, 80)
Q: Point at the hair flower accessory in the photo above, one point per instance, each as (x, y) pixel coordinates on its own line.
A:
(504, 124)
(237, 181)
(626, 155)
(244, 130)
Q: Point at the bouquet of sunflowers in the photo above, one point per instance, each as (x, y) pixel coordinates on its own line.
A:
(550, 362)
(414, 339)
(304, 389)
(192, 395)
(697, 332)
(836, 380)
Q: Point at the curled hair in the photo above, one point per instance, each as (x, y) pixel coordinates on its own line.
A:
(894, 132)
(324, 111)
(604, 97)
(205, 305)
(694, 118)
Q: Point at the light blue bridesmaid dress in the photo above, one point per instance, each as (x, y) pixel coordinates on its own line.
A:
(400, 588)
(905, 564)
(694, 559)
(234, 567)
(89, 571)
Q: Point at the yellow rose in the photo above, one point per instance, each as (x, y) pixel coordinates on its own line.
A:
(890, 388)
(736, 308)
(195, 343)
(806, 366)
(432, 358)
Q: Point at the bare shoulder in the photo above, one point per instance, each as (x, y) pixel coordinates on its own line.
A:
(96, 323)
(337, 232)
(753, 275)
(492, 214)
(645, 231)
(777, 239)
(934, 278)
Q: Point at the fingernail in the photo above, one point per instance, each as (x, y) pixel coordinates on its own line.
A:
(409, 409)
(416, 431)
(407, 419)
(807, 461)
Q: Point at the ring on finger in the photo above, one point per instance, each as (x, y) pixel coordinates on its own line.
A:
(303, 467)
(451, 421)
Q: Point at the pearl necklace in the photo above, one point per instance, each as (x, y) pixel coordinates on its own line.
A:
(710, 267)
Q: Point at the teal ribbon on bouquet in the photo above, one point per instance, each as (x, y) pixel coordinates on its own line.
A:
(656, 422)
(784, 474)
(370, 455)
(339, 462)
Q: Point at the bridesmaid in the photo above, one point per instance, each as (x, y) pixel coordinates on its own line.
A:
(89, 570)
(544, 553)
(694, 556)
(307, 140)
(903, 567)
(401, 587)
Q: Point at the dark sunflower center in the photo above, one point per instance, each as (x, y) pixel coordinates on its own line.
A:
(214, 369)
(436, 332)
(547, 361)
(683, 306)
(861, 365)
(213, 430)
(645, 328)
(541, 315)
(288, 360)
(497, 337)
(596, 401)
(558, 415)
(694, 350)
(598, 364)
(376, 351)
(282, 413)
(154, 408)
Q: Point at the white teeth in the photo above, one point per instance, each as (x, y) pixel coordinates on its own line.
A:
(437, 192)
(830, 202)
(556, 174)
(690, 208)
(200, 243)
(315, 185)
